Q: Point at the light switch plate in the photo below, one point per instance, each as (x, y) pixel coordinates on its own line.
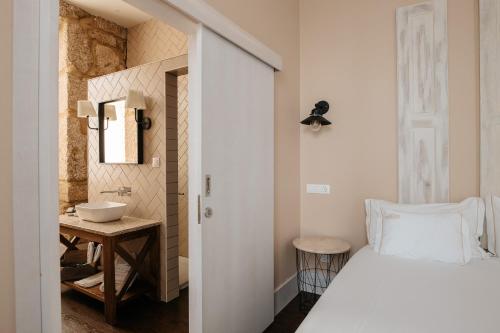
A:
(318, 188)
(156, 162)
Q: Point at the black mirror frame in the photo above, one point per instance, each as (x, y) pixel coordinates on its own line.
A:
(140, 135)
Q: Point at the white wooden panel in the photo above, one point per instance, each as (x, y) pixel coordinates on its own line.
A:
(490, 110)
(424, 153)
(237, 131)
(48, 170)
(423, 102)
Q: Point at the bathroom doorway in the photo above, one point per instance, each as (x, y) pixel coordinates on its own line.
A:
(133, 67)
(183, 181)
(177, 181)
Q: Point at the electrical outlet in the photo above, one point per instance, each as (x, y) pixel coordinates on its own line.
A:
(318, 188)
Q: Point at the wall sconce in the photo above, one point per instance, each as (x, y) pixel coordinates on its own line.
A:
(316, 119)
(135, 100)
(109, 114)
(86, 110)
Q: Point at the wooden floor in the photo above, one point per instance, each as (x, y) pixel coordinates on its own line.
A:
(82, 314)
(288, 320)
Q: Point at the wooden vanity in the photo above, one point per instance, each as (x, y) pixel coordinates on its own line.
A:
(112, 235)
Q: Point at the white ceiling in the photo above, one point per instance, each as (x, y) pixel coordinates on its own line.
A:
(116, 11)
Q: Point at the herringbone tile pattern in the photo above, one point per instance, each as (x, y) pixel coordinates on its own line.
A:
(182, 128)
(152, 41)
(154, 190)
(149, 185)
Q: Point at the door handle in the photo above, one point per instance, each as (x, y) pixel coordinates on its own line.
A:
(199, 209)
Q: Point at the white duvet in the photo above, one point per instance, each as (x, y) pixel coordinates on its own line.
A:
(386, 294)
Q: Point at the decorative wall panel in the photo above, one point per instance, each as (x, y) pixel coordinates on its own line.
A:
(150, 186)
(490, 111)
(422, 44)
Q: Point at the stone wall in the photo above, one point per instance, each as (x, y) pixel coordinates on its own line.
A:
(89, 46)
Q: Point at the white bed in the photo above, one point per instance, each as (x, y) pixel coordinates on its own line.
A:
(387, 294)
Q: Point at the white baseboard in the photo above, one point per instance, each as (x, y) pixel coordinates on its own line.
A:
(285, 293)
(288, 290)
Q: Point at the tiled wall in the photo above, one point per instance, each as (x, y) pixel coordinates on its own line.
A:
(150, 186)
(154, 41)
(182, 135)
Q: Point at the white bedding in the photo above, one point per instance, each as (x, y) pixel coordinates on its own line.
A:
(386, 294)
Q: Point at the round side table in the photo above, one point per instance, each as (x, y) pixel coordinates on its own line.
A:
(319, 259)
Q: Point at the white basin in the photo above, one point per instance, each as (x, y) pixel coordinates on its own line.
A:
(101, 211)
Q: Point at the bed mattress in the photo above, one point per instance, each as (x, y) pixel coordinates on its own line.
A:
(386, 294)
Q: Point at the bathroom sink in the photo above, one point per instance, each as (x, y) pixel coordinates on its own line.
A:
(101, 211)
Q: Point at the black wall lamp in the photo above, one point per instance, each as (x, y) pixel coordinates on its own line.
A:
(316, 119)
(135, 100)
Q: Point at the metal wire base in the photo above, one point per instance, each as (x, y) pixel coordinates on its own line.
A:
(314, 274)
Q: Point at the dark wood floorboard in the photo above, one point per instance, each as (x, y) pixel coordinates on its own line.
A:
(288, 320)
(81, 314)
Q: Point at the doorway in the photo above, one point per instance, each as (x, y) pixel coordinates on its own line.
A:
(43, 310)
(147, 58)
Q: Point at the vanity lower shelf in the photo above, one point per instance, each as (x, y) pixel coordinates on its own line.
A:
(138, 289)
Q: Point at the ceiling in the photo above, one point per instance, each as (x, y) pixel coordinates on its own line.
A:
(117, 11)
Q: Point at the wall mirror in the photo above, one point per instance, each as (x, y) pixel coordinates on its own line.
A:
(120, 137)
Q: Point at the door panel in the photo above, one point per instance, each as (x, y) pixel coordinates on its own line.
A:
(237, 152)
(423, 102)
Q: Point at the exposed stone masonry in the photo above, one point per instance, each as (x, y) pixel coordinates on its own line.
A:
(89, 46)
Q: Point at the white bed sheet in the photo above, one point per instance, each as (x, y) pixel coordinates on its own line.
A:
(386, 294)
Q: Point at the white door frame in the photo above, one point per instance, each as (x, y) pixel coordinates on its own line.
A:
(35, 140)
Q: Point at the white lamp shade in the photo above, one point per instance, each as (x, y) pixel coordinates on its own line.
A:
(135, 100)
(86, 109)
(109, 112)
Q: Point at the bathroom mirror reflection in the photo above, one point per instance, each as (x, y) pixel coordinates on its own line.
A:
(120, 137)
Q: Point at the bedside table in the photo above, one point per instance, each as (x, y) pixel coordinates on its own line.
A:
(318, 260)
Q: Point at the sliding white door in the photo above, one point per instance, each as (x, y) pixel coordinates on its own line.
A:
(231, 241)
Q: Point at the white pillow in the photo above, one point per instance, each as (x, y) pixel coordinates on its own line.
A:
(472, 210)
(439, 237)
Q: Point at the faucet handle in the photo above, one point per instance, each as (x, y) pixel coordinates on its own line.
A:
(125, 190)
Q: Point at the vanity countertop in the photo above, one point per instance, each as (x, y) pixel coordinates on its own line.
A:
(125, 225)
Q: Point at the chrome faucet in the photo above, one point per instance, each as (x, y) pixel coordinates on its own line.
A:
(122, 191)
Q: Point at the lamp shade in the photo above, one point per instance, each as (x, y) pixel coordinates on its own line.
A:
(85, 109)
(316, 118)
(135, 100)
(316, 115)
(109, 112)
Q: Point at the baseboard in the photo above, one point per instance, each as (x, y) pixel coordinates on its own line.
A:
(285, 293)
(288, 290)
